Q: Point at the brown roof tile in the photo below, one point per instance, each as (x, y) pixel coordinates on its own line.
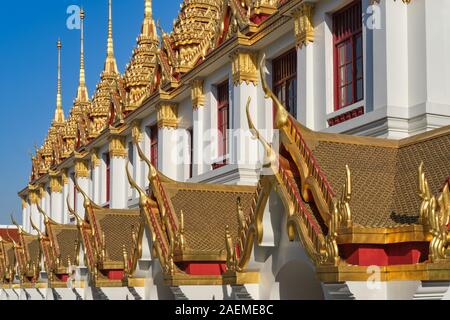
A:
(207, 209)
(384, 179)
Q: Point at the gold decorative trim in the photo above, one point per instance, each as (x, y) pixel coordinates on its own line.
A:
(197, 94)
(81, 169)
(419, 272)
(24, 203)
(136, 282)
(64, 177)
(244, 67)
(167, 115)
(228, 278)
(303, 24)
(117, 147)
(434, 215)
(56, 184)
(136, 131)
(95, 159)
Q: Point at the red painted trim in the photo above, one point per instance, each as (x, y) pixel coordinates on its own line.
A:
(384, 255)
(204, 268)
(115, 274)
(346, 116)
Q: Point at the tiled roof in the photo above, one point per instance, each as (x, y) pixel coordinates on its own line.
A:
(207, 210)
(118, 227)
(384, 177)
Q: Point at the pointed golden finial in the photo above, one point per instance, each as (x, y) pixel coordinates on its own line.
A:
(110, 64)
(82, 93)
(149, 26)
(148, 9)
(59, 113)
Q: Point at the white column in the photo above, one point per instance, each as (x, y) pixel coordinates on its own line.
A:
(390, 64)
(95, 174)
(168, 152)
(305, 87)
(436, 52)
(65, 211)
(82, 178)
(25, 214)
(56, 198)
(199, 138)
(34, 213)
(118, 177)
(244, 83)
(43, 205)
(57, 209)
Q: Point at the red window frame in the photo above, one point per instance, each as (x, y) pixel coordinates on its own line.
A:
(108, 176)
(223, 117)
(348, 55)
(74, 191)
(154, 146)
(284, 80)
(190, 132)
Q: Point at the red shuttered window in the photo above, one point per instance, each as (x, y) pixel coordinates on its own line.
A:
(285, 80)
(108, 177)
(190, 133)
(348, 55)
(223, 125)
(154, 146)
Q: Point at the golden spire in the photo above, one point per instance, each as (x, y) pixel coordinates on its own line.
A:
(82, 94)
(140, 72)
(148, 9)
(110, 64)
(59, 113)
(148, 26)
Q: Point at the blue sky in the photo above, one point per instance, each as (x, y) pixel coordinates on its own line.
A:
(28, 59)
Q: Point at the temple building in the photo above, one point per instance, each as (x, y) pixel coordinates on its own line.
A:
(261, 149)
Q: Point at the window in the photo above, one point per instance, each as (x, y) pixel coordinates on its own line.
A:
(131, 160)
(285, 80)
(223, 124)
(190, 133)
(154, 146)
(348, 55)
(49, 203)
(107, 160)
(74, 191)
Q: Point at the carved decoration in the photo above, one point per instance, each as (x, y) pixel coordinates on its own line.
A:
(95, 160)
(434, 215)
(56, 184)
(81, 169)
(117, 147)
(136, 131)
(303, 24)
(197, 94)
(244, 67)
(167, 115)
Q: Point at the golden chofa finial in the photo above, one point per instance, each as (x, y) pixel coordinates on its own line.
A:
(59, 113)
(110, 64)
(82, 93)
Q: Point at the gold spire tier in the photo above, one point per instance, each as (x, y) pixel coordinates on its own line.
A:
(59, 113)
(76, 127)
(194, 32)
(139, 76)
(108, 85)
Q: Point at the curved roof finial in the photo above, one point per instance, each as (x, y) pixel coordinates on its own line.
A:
(36, 228)
(282, 115)
(73, 212)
